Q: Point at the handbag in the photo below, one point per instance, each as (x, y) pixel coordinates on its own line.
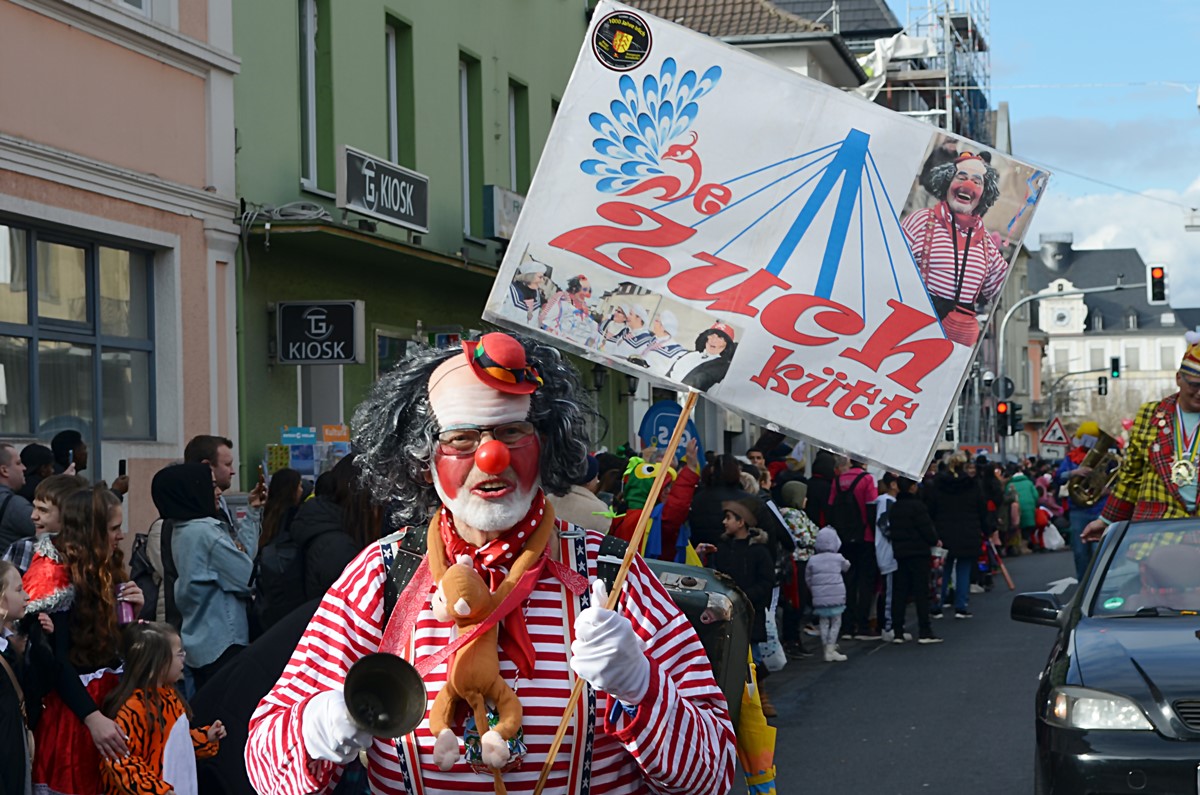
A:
(12, 677)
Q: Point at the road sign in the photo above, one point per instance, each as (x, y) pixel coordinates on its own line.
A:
(1055, 433)
(1003, 388)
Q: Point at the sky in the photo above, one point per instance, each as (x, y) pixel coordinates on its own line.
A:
(1119, 105)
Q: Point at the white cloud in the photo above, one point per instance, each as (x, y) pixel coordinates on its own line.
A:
(1126, 221)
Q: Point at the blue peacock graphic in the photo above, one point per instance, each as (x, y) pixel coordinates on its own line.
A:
(645, 144)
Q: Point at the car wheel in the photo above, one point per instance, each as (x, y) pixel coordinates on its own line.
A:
(1040, 785)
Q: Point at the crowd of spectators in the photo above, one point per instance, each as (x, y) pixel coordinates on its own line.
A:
(819, 550)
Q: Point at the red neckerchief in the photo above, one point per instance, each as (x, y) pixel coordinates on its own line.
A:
(492, 561)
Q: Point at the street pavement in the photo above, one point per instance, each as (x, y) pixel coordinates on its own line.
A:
(905, 719)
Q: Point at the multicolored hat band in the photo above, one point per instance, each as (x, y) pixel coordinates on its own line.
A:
(498, 360)
(1191, 356)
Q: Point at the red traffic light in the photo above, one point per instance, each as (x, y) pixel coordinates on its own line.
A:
(1001, 408)
(1156, 272)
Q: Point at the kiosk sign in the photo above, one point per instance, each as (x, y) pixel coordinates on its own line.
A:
(373, 187)
(320, 332)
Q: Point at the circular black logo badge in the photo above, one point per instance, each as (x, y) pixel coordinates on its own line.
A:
(621, 41)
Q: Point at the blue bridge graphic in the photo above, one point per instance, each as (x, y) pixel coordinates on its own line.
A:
(845, 173)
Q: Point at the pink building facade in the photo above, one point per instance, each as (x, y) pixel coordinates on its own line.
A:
(118, 229)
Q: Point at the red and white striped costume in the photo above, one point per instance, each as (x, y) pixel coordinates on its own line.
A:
(983, 275)
(679, 741)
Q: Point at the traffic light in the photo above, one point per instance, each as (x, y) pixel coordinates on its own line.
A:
(1156, 284)
(1115, 367)
(1003, 419)
(1102, 385)
(1014, 417)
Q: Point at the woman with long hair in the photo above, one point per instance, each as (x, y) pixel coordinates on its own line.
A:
(333, 529)
(959, 512)
(79, 578)
(283, 497)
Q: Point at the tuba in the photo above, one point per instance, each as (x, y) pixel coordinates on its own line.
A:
(1104, 460)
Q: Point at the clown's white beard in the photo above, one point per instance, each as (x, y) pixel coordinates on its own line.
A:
(487, 516)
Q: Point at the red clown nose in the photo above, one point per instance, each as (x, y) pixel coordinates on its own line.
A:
(493, 457)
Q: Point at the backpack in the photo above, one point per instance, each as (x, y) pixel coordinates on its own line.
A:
(142, 573)
(279, 578)
(845, 515)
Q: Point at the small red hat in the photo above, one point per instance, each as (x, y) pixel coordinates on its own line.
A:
(724, 328)
(498, 360)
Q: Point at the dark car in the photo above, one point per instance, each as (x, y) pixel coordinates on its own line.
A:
(1118, 703)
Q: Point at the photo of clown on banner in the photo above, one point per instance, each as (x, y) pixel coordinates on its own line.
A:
(813, 262)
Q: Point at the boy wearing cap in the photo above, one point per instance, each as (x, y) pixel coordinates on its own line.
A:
(742, 554)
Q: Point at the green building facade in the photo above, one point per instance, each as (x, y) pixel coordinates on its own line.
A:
(461, 91)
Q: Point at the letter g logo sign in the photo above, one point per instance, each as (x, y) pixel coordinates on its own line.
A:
(316, 323)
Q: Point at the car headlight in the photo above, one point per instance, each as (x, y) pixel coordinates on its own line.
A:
(1081, 708)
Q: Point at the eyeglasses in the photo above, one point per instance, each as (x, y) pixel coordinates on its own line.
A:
(464, 440)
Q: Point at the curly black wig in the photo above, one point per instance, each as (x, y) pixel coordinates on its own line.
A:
(394, 429)
(939, 178)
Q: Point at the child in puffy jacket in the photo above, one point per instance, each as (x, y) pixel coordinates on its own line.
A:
(824, 577)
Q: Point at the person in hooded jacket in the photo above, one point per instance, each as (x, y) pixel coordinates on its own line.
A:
(824, 469)
(959, 512)
(1025, 493)
(333, 528)
(213, 564)
(913, 535)
(824, 575)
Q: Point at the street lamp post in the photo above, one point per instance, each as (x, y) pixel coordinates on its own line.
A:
(1036, 297)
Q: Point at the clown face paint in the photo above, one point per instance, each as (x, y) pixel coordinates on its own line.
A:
(478, 500)
(967, 187)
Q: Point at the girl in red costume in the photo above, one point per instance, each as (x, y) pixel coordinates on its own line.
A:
(78, 578)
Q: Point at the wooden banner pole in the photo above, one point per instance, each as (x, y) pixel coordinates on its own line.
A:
(614, 593)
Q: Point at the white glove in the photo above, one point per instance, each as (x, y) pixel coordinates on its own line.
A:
(607, 653)
(328, 732)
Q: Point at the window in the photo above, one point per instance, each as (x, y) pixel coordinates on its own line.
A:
(316, 86)
(1096, 359)
(1097, 321)
(1025, 368)
(136, 5)
(1133, 358)
(76, 337)
(470, 133)
(1062, 359)
(308, 92)
(400, 112)
(1131, 321)
(518, 137)
(1022, 291)
(1167, 358)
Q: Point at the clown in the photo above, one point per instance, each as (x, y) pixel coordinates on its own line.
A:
(960, 264)
(1158, 474)
(471, 438)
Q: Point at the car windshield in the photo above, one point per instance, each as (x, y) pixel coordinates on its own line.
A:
(1153, 573)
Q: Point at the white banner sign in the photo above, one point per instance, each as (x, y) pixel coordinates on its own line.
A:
(812, 261)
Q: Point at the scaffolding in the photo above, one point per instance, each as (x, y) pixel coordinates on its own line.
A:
(953, 88)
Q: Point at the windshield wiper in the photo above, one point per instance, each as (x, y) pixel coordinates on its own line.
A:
(1161, 610)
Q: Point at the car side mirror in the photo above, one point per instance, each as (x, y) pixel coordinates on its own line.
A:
(1036, 608)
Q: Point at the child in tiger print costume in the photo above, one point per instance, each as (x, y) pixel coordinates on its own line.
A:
(148, 709)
